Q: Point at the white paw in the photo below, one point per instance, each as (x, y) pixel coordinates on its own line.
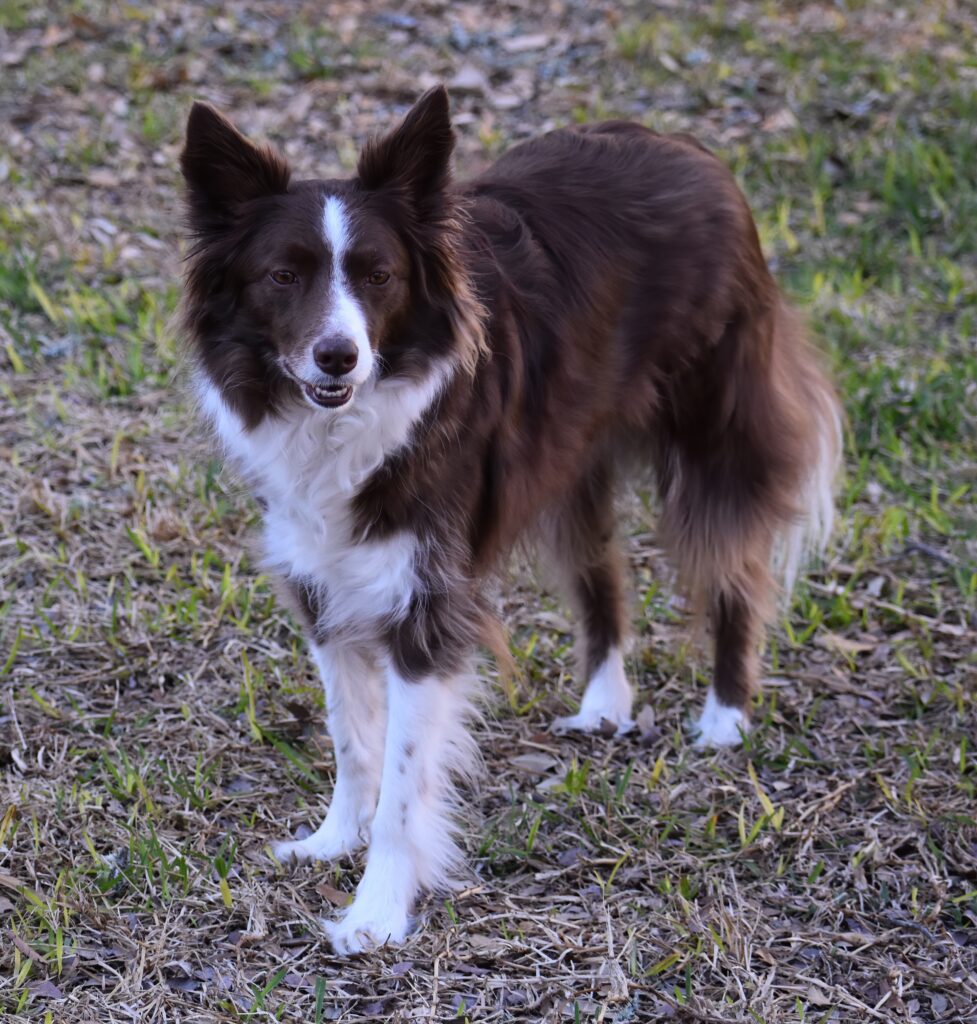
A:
(718, 725)
(608, 723)
(606, 704)
(316, 847)
(362, 929)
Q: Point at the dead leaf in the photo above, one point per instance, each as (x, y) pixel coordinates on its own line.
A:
(26, 950)
(55, 35)
(16, 54)
(574, 855)
(817, 997)
(534, 764)
(102, 177)
(875, 585)
(164, 526)
(47, 989)
(779, 121)
(608, 729)
(844, 645)
(645, 720)
(612, 979)
(486, 945)
(183, 984)
(526, 43)
(335, 896)
(299, 106)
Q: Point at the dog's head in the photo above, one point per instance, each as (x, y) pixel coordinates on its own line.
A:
(312, 289)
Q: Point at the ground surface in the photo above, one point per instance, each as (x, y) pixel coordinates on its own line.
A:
(160, 722)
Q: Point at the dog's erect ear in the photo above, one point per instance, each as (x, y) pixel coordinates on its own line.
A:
(223, 168)
(416, 155)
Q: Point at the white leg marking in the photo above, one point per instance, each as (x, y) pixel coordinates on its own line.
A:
(411, 844)
(719, 725)
(355, 708)
(607, 699)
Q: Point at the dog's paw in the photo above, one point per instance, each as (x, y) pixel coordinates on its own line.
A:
(316, 847)
(361, 930)
(606, 704)
(297, 849)
(606, 723)
(719, 725)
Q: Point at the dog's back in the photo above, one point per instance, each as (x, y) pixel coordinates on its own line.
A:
(634, 320)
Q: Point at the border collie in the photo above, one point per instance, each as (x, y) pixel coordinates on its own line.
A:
(413, 375)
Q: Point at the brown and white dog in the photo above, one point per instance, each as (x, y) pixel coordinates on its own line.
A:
(413, 375)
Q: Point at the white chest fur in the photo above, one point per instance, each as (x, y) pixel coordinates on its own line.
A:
(308, 467)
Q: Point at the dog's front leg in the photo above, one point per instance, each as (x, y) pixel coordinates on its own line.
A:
(411, 841)
(356, 715)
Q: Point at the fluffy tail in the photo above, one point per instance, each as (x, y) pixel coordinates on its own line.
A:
(810, 531)
(747, 469)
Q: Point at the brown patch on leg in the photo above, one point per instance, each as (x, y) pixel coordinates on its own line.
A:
(580, 544)
(737, 627)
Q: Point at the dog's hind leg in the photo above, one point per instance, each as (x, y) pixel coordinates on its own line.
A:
(356, 716)
(746, 463)
(738, 609)
(719, 531)
(580, 545)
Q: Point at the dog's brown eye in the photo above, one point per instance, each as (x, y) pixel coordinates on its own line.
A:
(378, 277)
(283, 277)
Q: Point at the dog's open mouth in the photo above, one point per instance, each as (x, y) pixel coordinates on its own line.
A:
(329, 396)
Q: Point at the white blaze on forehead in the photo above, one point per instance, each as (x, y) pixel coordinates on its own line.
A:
(335, 225)
(343, 314)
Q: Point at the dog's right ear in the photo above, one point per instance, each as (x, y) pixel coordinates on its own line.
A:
(222, 168)
(415, 157)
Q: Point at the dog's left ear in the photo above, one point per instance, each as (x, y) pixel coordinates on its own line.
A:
(223, 169)
(416, 156)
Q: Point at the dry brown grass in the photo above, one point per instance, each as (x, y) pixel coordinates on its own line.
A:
(160, 719)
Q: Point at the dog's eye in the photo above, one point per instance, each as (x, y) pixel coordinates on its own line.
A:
(283, 277)
(378, 277)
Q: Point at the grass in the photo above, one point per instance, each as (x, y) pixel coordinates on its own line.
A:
(161, 719)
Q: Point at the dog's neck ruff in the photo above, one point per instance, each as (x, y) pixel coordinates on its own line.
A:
(308, 467)
(303, 454)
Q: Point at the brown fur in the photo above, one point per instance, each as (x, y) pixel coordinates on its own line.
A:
(604, 291)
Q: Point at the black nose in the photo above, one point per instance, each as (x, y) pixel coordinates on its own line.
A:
(335, 355)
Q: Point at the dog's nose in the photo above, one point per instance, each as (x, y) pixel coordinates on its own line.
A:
(335, 355)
